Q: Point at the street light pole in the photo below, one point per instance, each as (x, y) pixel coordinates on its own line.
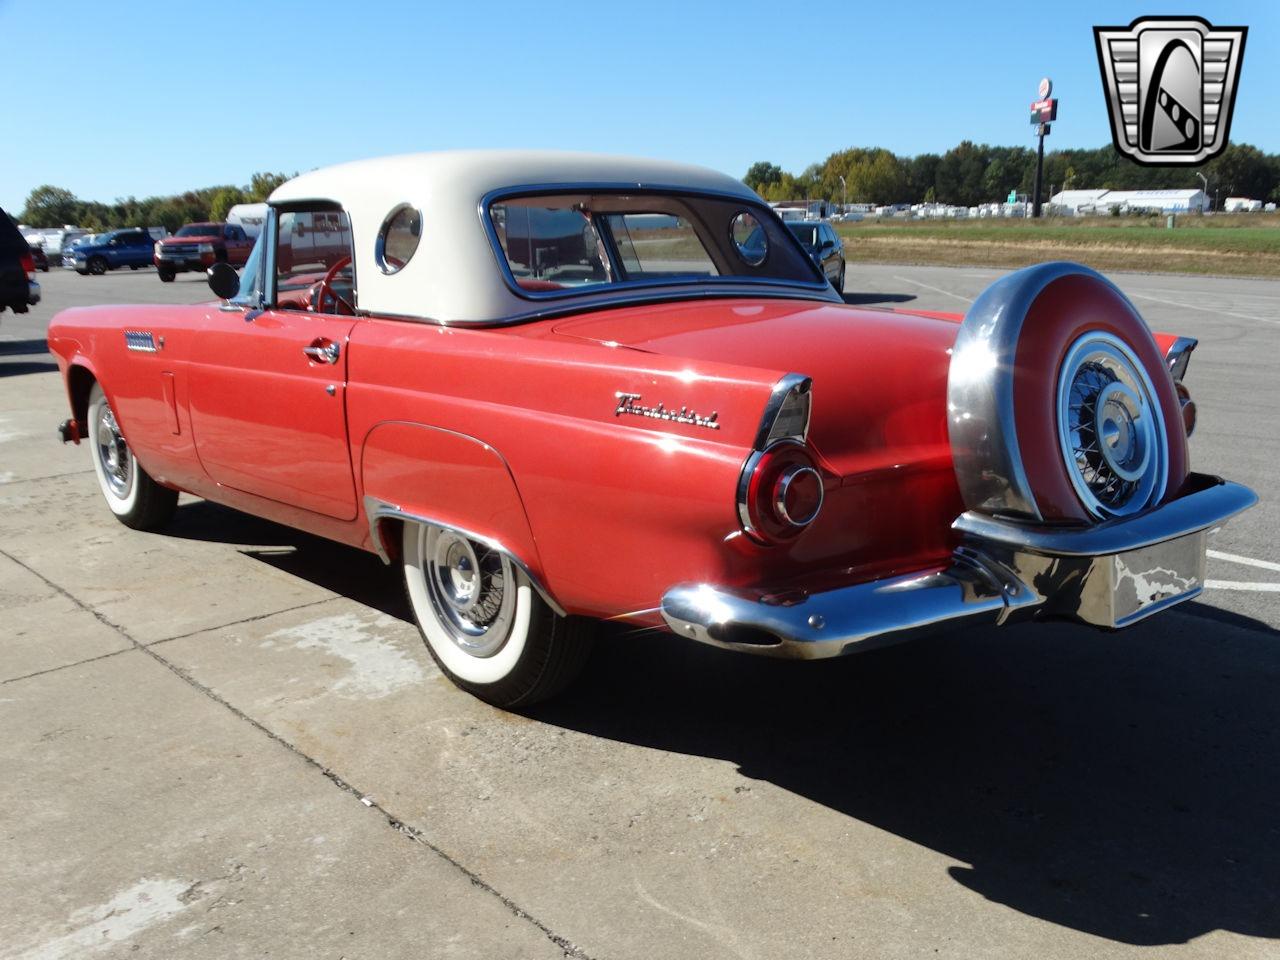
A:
(1205, 181)
(844, 196)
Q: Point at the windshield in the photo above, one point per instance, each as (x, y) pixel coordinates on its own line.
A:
(555, 244)
(198, 230)
(806, 233)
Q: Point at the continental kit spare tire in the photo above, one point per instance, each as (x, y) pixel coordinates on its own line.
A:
(1060, 405)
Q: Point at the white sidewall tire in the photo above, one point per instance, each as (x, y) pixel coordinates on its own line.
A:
(468, 668)
(120, 506)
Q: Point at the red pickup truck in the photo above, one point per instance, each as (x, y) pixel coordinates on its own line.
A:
(198, 246)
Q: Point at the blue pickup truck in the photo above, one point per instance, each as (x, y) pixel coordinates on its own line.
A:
(119, 248)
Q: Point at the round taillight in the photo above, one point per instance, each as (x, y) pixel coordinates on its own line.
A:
(780, 493)
(797, 494)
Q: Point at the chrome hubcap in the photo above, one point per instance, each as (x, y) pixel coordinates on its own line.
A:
(113, 453)
(472, 589)
(1109, 428)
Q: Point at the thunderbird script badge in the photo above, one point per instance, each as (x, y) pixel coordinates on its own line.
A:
(1171, 85)
(627, 404)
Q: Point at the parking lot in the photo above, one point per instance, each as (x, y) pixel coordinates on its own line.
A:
(228, 740)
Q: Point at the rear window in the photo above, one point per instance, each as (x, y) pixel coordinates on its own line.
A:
(558, 244)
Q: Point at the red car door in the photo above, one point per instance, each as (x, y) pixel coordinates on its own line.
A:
(268, 406)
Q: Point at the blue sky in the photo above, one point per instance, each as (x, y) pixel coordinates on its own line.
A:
(148, 98)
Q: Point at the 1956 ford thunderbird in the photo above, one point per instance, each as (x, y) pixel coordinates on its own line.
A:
(557, 388)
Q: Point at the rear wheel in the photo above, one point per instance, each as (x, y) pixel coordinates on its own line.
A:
(485, 624)
(97, 266)
(136, 499)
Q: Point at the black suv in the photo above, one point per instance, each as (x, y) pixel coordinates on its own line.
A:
(824, 245)
(18, 287)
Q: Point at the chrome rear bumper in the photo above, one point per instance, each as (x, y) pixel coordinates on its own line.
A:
(1109, 575)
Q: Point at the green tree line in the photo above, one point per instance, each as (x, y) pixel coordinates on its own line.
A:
(50, 206)
(973, 173)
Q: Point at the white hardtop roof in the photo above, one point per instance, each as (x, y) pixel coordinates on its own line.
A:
(454, 276)
(477, 172)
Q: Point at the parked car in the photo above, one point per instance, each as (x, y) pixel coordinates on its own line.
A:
(130, 248)
(824, 245)
(18, 287)
(69, 249)
(573, 391)
(38, 258)
(56, 242)
(199, 245)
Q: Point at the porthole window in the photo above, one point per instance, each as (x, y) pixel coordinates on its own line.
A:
(749, 239)
(398, 238)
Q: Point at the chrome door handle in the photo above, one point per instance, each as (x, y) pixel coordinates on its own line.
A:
(322, 351)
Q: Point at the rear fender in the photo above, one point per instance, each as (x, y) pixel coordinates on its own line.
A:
(414, 472)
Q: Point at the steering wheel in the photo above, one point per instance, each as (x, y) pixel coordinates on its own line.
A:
(325, 291)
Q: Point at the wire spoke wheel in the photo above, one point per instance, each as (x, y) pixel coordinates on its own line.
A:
(1109, 428)
(472, 588)
(113, 453)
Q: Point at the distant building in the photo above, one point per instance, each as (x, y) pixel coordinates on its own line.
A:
(1085, 202)
(1241, 205)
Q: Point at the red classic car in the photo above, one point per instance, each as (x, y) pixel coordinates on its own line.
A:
(557, 388)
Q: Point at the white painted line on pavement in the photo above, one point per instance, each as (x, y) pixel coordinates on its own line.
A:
(1240, 585)
(945, 293)
(1192, 306)
(1247, 561)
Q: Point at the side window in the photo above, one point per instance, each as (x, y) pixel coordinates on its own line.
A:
(550, 244)
(309, 244)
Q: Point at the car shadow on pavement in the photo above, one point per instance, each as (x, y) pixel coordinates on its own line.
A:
(24, 348)
(859, 298)
(343, 570)
(1124, 785)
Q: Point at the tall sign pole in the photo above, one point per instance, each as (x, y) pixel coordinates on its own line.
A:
(1043, 112)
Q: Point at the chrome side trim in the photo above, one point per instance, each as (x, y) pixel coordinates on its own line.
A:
(377, 510)
(1216, 501)
(984, 439)
(1179, 355)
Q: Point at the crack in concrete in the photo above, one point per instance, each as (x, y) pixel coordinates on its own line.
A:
(567, 946)
(52, 476)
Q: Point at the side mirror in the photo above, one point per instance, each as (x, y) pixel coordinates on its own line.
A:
(223, 280)
(826, 245)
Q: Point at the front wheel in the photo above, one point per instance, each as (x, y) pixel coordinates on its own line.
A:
(136, 500)
(485, 624)
(166, 274)
(840, 281)
(97, 266)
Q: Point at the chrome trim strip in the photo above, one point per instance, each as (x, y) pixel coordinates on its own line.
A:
(980, 419)
(377, 510)
(1217, 501)
(1179, 355)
